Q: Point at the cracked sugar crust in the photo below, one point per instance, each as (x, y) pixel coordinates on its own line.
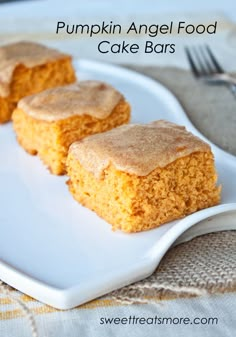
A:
(93, 98)
(137, 149)
(29, 54)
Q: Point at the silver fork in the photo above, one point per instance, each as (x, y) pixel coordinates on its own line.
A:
(205, 66)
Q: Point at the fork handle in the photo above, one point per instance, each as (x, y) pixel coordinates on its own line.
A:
(230, 82)
(232, 88)
(222, 78)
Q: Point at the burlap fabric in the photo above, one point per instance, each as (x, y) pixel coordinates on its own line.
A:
(206, 264)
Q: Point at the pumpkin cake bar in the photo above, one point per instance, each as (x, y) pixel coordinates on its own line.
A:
(27, 68)
(138, 177)
(48, 123)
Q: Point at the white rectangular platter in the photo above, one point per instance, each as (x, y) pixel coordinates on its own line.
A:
(61, 253)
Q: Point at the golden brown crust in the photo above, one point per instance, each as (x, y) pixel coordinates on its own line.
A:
(137, 149)
(92, 98)
(25, 53)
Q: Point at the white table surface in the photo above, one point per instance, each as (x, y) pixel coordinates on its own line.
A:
(36, 20)
(123, 7)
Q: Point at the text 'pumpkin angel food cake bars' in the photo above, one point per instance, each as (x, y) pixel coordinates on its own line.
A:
(48, 123)
(27, 68)
(138, 177)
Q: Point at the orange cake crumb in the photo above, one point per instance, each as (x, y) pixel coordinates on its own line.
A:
(27, 68)
(48, 123)
(138, 177)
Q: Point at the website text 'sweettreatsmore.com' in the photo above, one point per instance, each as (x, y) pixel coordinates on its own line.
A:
(156, 320)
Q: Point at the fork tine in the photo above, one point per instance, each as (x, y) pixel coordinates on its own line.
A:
(191, 62)
(203, 64)
(207, 60)
(214, 60)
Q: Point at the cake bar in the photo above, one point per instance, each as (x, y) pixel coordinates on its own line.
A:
(138, 177)
(48, 123)
(27, 68)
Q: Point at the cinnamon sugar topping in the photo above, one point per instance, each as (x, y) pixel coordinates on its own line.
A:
(137, 149)
(93, 98)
